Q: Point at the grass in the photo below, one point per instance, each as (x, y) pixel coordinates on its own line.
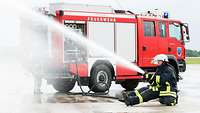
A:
(193, 60)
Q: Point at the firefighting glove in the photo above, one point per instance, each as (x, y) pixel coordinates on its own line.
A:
(145, 76)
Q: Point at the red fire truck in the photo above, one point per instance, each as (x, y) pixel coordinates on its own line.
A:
(135, 37)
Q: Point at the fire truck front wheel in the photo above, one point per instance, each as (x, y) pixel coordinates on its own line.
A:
(101, 78)
(63, 85)
(129, 85)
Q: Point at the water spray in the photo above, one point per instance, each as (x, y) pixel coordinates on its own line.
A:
(72, 35)
(79, 39)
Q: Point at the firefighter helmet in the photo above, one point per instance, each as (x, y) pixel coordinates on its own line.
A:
(159, 57)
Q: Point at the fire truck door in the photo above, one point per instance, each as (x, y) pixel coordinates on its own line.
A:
(125, 41)
(102, 33)
(176, 40)
(147, 42)
(162, 38)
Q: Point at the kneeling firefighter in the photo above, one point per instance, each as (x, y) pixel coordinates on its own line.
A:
(163, 85)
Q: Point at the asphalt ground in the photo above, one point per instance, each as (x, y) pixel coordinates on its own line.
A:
(17, 96)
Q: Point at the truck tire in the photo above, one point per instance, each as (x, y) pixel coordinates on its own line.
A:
(101, 78)
(63, 85)
(129, 85)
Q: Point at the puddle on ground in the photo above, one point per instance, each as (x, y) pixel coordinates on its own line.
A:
(66, 98)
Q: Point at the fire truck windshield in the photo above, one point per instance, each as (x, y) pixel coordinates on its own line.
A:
(175, 31)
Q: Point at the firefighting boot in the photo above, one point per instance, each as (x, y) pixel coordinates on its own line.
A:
(131, 93)
(128, 93)
(127, 97)
(130, 101)
(123, 96)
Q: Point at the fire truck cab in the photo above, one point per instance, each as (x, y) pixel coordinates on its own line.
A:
(134, 37)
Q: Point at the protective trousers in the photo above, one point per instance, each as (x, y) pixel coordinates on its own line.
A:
(141, 95)
(145, 94)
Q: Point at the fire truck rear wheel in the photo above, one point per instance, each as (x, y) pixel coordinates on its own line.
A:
(62, 85)
(129, 85)
(101, 78)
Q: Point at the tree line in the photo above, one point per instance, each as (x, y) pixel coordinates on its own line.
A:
(192, 53)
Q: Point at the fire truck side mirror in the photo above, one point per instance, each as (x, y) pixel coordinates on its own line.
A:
(185, 30)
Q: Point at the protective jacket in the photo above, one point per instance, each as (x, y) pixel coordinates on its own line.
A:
(164, 81)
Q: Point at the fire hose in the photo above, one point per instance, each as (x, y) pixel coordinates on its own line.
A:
(89, 93)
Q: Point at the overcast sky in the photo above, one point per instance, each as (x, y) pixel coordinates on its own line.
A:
(185, 10)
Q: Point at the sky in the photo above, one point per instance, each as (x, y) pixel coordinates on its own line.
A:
(185, 10)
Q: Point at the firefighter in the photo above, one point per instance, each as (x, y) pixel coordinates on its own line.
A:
(163, 85)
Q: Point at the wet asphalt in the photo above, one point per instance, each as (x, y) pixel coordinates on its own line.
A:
(17, 96)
